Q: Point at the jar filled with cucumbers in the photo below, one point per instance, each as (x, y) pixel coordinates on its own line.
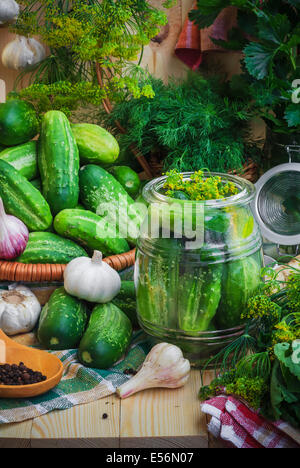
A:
(199, 260)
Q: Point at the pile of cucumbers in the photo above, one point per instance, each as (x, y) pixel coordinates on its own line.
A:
(102, 336)
(59, 188)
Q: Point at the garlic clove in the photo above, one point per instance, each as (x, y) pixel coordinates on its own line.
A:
(164, 367)
(37, 49)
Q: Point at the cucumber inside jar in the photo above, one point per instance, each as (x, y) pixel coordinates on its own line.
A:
(157, 284)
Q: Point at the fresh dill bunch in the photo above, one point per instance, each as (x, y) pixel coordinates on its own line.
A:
(188, 124)
(64, 96)
(92, 40)
(261, 307)
(266, 314)
(293, 292)
(198, 187)
(287, 330)
(251, 389)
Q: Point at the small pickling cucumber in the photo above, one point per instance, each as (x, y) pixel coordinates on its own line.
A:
(18, 122)
(23, 200)
(62, 321)
(89, 230)
(240, 281)
(96, 145)
(23, 158)
(101, 193)
(58, 160)
(46, 247)
(127, 178)
(106, 338)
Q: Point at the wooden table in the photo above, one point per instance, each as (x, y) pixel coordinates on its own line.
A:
(153, 418)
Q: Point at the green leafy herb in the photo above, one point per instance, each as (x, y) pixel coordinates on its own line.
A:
(268, 33)
(189, 125)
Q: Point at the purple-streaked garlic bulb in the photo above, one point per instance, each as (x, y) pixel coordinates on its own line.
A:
(13, 235)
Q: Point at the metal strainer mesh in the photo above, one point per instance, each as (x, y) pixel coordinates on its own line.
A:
(279, 203)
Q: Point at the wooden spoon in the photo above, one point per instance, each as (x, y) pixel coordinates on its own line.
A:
(40, 361)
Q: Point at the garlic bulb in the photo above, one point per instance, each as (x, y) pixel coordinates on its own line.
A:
(22, 53)
(164, 366)
(13, 235)
(19, 310)
(9, 10)
(92, 279)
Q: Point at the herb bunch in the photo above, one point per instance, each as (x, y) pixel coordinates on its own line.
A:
(189, 125)
(268, 32)
(263, 368)
(91, 42)
(198, 187)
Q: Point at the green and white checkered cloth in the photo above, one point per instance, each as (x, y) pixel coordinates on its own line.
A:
(79, 384)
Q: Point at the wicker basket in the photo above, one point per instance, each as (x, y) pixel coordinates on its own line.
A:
(39, 273)
(14, 271)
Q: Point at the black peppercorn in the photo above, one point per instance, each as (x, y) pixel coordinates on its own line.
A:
(19, 375)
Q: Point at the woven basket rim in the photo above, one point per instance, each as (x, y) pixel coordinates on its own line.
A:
(48, 273)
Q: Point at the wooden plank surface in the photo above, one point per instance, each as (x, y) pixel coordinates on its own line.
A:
(174, 415)
(154, 418)
(80, 426)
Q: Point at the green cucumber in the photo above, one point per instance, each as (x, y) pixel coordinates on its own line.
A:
(90, 231)
(58, 162)
(157, 288)
(18, 122)
(240, 281)
(96, 145)
(126, 301)
(46, 247)
(101, 193)
(199, 297)
(23, 158)
(62, 321)
(23, 200)
(127, 178)
(106, 338)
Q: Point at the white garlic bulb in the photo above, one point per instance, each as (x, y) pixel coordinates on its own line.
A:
(164, 367)
(22, 53)
(19, 310)
(9, 10)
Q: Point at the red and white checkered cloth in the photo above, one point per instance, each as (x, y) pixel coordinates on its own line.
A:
(232, 421)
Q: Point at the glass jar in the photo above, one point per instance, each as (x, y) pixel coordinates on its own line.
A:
(197, 264)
